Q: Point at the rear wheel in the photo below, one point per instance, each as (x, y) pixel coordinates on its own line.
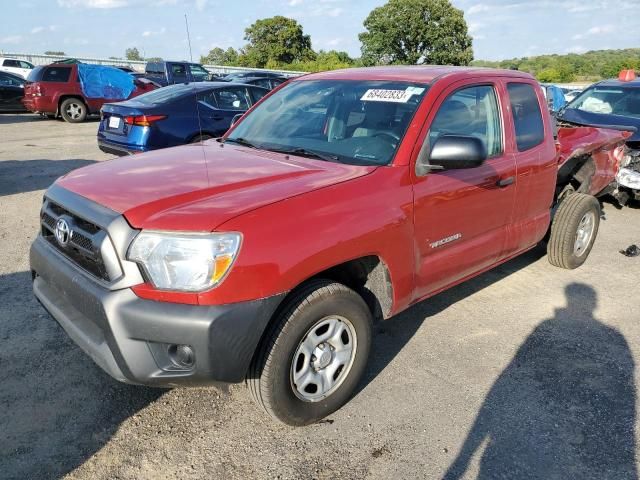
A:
(313, 356)
(573, 231)
(73, 110)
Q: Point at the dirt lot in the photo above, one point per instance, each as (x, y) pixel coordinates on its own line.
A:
(525, 372)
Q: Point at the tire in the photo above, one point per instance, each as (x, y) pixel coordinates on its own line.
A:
(573, 231)
(73, 110)
(279, 358)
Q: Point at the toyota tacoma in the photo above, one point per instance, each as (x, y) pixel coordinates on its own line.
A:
(341, 198)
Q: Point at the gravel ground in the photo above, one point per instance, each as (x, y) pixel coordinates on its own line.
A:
(527, 371)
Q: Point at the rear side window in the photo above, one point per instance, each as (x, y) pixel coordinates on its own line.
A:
(35, 74)
(154, 67)
(232, 99)
(56, 74)
(178, 69)
(11, 63)
(258, 93)
(526, 115)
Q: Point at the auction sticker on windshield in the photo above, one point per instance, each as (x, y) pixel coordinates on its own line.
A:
(380, 95)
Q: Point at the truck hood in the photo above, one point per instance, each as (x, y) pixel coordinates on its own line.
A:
(198, 187)
(602, 120)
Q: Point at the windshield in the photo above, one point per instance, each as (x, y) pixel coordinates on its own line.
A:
(198, 71)
(622, 101)
(164, 94)
(357, 122)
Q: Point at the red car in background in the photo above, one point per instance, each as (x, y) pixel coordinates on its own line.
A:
(55, 90)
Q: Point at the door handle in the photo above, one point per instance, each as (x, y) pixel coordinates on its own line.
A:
(505, 182)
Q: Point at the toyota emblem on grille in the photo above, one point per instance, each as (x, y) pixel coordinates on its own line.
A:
(63, 232)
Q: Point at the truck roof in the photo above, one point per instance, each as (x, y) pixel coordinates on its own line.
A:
(414, 73)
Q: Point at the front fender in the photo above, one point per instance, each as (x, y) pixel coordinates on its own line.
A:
(287, 242)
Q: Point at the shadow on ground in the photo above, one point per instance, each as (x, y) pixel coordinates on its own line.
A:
(393, 334)
(27, 117)
(57, 408)
(18, 176)
(563, 408)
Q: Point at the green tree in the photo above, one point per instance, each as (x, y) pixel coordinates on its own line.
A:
(549, 75)
(218, 56)
(588, 66)
(133, 54)
(55, 52)
(275, 41)
(416, 32)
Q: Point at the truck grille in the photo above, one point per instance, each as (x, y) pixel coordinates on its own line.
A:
(84, 240)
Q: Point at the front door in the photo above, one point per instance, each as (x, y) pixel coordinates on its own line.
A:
(461, 217)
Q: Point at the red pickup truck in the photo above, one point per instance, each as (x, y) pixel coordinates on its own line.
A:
(340, 198)
(55, 90)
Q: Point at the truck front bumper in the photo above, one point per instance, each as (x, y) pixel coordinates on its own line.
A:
(132, 338)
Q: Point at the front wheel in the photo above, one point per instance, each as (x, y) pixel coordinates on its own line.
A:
(574, 230)
(73, 110)
(314, 354)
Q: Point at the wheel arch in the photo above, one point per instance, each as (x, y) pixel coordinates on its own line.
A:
(66, 96)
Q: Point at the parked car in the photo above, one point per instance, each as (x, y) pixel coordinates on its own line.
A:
(613, 102)
(11, 92)
(554, 95)
(342, 197)
(173, 115)
(240, 76)
(17, 67)
(168, 73)
(265, 82)
(125, 68)
(56, 89)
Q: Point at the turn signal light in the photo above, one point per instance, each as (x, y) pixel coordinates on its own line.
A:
(143, 120)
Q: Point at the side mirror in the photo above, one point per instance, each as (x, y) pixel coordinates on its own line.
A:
(236, 117)
(457, 151)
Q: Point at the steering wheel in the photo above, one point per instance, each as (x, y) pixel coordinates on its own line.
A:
(394, 138)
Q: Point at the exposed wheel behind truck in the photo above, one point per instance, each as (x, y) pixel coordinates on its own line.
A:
(573, 230)
(314, 354)
(73, 110)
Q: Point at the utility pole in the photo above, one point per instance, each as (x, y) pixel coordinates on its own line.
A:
(188, 37)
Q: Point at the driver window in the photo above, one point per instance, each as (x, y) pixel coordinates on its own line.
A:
(471, 111)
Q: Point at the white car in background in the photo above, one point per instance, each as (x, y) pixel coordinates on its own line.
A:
(18, 67)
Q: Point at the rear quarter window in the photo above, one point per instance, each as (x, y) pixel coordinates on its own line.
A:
(527, 117)
(35, 74)
(56, 74)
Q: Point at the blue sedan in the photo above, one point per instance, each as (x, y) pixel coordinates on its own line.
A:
(173, 115)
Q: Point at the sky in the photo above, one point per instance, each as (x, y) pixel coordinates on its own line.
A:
(500, 28)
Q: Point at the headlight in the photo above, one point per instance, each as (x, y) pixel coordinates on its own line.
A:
(187, 262)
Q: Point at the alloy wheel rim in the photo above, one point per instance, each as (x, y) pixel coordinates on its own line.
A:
(584, 233)
(74, 110)
(323, 358)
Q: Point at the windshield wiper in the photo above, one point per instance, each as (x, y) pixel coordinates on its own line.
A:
(240, 141)
(303, 152)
